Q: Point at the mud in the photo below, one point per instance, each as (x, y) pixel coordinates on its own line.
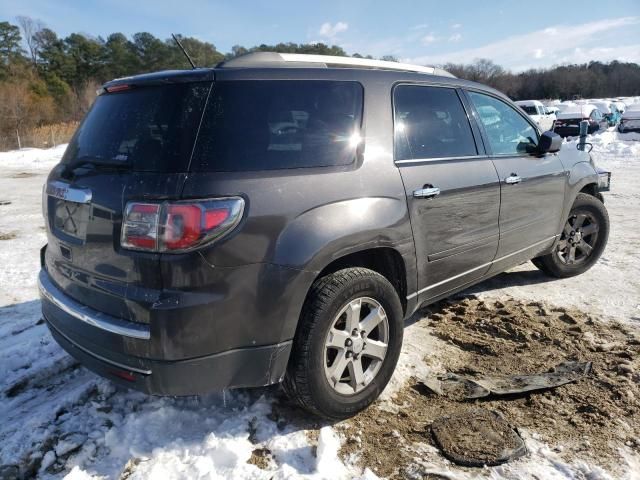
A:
(588, 420)
(477, 437)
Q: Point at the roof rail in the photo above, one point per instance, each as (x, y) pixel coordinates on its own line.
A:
(274, 60)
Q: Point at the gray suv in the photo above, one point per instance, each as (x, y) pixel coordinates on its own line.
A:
(276, 218)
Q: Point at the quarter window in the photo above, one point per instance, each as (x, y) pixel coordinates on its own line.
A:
(252, 125)
(507, 130)
(430, 122)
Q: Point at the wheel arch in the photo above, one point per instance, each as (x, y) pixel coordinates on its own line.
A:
(391, 263)
(582, 176)
(592, 189)
(386, 261)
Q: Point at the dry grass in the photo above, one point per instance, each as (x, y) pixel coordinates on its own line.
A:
(44, 136)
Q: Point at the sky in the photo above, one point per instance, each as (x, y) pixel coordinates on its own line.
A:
(515, 34)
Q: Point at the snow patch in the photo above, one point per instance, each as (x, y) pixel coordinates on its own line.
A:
(32, 157)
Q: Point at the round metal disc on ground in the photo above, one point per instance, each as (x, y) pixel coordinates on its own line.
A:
(477, 437)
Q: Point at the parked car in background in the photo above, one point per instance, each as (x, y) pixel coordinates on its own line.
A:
(564, 106)
(538, 114)
(630, 121)
(620, 106)
(609, 110)
(568, 122)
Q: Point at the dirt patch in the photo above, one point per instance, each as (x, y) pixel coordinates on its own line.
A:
(587, 420)
(261, 458)
(8, 235)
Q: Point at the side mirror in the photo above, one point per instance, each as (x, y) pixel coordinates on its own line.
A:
(550, 142)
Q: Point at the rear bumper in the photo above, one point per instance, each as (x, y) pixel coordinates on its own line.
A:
(573, 130)
(629, 126)
(570, 131)
(102, 343)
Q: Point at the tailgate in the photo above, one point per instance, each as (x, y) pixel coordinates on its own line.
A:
(84, 257)
(134, 145)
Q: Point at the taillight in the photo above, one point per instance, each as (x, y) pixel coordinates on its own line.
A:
(140, 227)
(178, 226)
(183, 226)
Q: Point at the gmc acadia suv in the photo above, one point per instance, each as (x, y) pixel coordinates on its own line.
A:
(276, 218)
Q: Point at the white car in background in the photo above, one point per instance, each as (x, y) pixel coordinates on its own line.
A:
(536, 111)
(630, 119)
(565, 105)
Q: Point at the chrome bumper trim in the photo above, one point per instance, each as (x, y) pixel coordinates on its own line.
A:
(85, 314)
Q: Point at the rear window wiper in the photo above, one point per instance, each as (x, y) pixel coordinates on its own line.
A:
(97, 162)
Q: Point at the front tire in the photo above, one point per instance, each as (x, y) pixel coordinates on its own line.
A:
(347, 344)
(582, 241)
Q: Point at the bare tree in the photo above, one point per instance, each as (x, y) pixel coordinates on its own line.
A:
(87, 95)
(30, 29)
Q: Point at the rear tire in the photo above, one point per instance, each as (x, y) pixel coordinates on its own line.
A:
(331, 373)
(582, 241)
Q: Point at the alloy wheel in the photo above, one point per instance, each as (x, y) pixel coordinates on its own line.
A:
(578, 238)
(356, 345)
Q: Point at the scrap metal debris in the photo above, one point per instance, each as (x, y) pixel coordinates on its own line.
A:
(456, 386)
(477, 437)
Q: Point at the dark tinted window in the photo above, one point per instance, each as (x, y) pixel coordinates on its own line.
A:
(272, 124)
(529, 110)
(508, 131)
(147, 129)
(430, 122)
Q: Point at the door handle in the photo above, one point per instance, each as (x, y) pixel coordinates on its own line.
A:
(513, 179)
(429, 191)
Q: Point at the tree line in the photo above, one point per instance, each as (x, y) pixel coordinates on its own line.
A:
(46, 79)
(589, 80)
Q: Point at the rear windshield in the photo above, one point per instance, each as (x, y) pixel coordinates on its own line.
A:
(275, 124)
(145, 129)
(529, 110)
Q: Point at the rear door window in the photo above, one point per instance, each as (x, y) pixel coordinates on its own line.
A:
(150, 128)
(278, 124)
(430, 122)
(507, 130)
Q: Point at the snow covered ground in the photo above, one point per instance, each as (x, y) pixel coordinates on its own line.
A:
(57, 419)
